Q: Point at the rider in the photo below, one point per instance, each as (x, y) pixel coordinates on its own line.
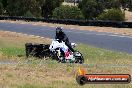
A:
(62, 37)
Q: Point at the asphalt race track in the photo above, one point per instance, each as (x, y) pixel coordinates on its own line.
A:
(102, 40)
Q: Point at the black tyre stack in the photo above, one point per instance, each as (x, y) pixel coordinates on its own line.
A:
(37, 50)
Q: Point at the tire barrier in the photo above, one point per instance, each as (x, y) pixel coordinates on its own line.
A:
(101, 23)
(37, 50)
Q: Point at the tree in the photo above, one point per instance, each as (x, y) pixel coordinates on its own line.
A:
(117, 4)
(67, 12)
(32, 6)
(112, 4)
(130, 5)
(4, 2)
(21, 7)
(90, 8)
(1, 8)
(124, 3)
(112, 14)
(37, 8)
(48, 7)
(13, 7)
(28, 14)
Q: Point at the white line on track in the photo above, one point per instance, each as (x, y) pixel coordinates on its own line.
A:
(43, 25)
(24, 34)
(72, 28)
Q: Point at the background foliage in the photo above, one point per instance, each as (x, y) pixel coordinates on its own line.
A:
(112, 14)
(67, 12)
(88, 9)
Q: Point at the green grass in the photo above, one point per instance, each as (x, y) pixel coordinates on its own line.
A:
(97, 55)
(91, 54)
(12, 51)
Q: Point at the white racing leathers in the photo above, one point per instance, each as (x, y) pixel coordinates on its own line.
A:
(56, 45)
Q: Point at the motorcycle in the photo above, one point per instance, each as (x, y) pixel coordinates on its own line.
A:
(61, 53)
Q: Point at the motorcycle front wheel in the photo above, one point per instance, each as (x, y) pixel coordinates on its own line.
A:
(78, 57)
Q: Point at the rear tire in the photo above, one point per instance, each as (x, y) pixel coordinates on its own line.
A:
(54, 56)
(28, 49)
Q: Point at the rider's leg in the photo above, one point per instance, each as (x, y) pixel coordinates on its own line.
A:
(62, 60)
(69, 46)
(62, 53)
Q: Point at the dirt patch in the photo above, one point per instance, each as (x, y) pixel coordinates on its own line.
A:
(128, 16)
(6, 36)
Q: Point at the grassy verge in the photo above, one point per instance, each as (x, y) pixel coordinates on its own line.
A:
(97, 55)
(36, 73)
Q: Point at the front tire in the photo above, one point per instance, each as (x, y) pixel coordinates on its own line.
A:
(79, 58)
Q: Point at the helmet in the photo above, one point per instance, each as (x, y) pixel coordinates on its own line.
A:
(59, 29)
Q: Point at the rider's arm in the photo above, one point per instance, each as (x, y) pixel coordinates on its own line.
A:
(65, 37)
(56, 37)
